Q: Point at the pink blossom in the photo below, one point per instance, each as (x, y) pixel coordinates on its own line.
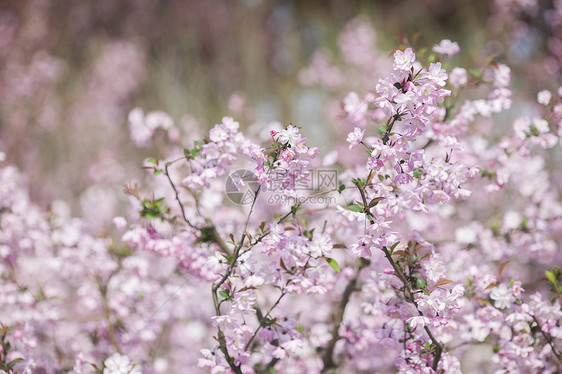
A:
(446, 47)
(502, 296)
(355, 137)
(403, 61)
(544, 97)
(458, 77)
(120, 223)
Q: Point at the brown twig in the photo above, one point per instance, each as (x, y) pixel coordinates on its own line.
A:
(548, 339)
(216, 286)
(328, 355)
(210, 228)
(407, 287)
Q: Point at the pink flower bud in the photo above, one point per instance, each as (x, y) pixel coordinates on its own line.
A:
(408, 86)
(312, 152)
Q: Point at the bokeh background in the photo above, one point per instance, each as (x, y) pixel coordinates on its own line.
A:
(71, 71)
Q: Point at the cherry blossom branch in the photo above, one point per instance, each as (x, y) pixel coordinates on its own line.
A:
(266, 233)
(407, 288)
(107, 313)
(211, 229)
(548, 339)
(327, 357)
(182, 209)
(217, 285)
(263, 320)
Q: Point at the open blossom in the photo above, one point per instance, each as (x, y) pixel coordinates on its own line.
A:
(458, 77)
(543, 97)
(354, 106)
(363, 247)
(120, 364)
(436, 74)
(120, 223)
(404, 60)
(502, 296)
(434, 268)
(290, 135)
(355, 137)
(142, 127)
(434, 303)
(418, 322)
(375, 164)
(501, 75)
(446, 47)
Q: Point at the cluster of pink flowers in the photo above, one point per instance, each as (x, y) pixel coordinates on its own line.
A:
(439, 246)
(393, 289)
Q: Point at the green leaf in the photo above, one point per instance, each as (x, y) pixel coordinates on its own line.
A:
(224, 294)
(417, 173)
(491, 59)
(341, 188)
(551, 277)
(153, 161)
(524, 223)
(421, 283)
(333, 263)
(197, 143)
(157, 171)
(475, 73)
(385, 139)
(382, 129)
(534, 130)
(152, 209)
(354, 208)
(11, 364)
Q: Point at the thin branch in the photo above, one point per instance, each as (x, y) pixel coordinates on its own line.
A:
(176, 192)
(266, 233)
(218, 284)
(328, 356)
(107, 313)
(407, 288)
(210, 228)
(549, 340)
(263, 320)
